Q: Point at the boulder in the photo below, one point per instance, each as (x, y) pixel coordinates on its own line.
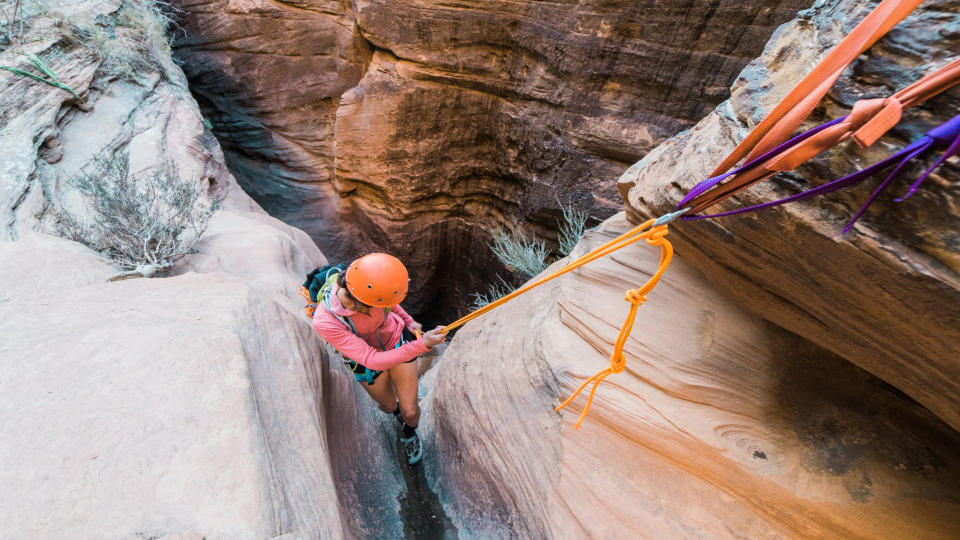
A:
(722, 424)
(886, 296)
(155, 405)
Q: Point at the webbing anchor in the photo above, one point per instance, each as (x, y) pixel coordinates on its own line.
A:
(667, 218)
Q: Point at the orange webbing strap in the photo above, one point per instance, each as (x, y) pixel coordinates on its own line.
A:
(623, 240)
(636, 297)
(311, 306)
(867, 122)
(780, 124)
(929, 86)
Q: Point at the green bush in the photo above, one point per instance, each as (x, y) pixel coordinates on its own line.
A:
(517, 252)
(528, 256)
(571, 228)
(496, 291)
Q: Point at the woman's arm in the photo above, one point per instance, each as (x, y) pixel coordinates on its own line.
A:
(358, 350)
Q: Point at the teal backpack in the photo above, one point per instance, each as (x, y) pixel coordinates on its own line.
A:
(317, 288)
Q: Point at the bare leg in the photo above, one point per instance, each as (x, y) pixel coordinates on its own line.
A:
(404, 379)
(382, 392)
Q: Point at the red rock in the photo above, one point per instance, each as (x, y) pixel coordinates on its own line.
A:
(886, 297)
(469, 115)
(722, 424)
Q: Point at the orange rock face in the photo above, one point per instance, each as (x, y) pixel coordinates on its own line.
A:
(887, 296)
(413, 126)
(268, 76)
(722, 425)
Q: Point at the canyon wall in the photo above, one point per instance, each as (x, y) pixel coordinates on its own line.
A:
(415, 127)
(781, 381)
(193, 404)
(887, 295)
(722, 425)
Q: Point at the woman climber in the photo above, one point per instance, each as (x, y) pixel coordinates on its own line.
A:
(358, 312)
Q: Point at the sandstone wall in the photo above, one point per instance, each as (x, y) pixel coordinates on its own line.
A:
(885, 296)
(722, 425)
(740, 413)
(193, 402)
(414, 127)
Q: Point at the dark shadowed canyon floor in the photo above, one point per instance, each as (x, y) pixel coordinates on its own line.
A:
(422, 514)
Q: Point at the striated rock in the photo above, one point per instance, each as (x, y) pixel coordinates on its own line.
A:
(722, 425)
(885, 297)
(466, 117)
(269, 75)
(192, 405)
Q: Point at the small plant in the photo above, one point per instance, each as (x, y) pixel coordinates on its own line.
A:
(571, 229)
(146, 225)
(497, 290)
(517, 252)
(51, 77)
(12, 21)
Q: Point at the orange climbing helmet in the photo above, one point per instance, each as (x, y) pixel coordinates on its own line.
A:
(378, 279)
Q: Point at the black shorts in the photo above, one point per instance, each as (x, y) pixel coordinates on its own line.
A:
(363, 374)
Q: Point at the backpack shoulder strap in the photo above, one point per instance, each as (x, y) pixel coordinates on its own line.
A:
(323, 298)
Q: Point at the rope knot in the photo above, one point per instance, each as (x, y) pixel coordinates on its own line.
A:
(656, 234)
(635, 297)
(618, 361)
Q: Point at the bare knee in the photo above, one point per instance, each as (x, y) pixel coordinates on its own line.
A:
(410, 410)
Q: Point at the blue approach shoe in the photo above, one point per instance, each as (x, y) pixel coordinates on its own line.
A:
(412, 448)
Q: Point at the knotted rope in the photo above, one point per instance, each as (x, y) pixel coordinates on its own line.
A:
(654, 232)
(655, 237)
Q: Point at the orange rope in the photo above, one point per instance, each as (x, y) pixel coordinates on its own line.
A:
(636, 297)
(793, 109)
(655, 236)
(623, 240)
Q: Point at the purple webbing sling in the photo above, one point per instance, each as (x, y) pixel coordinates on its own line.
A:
(946, 134)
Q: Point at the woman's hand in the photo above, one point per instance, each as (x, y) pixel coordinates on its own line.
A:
(434, 337)
(415, 328)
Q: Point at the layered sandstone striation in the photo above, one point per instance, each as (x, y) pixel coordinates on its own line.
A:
(723, 425)
(268, 76)
(780, 381)
(194, 404)
(885, 296)
(414, 127)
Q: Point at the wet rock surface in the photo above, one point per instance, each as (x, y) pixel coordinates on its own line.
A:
(415, 127)
(885, 296)
(722, 425)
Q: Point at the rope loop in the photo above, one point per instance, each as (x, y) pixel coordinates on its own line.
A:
(656, 235)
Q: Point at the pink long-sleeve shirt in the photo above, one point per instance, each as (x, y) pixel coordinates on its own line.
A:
(363, 347)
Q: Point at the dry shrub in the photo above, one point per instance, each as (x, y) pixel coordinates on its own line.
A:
(132, 43)
(144, 224)
(517, 252)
